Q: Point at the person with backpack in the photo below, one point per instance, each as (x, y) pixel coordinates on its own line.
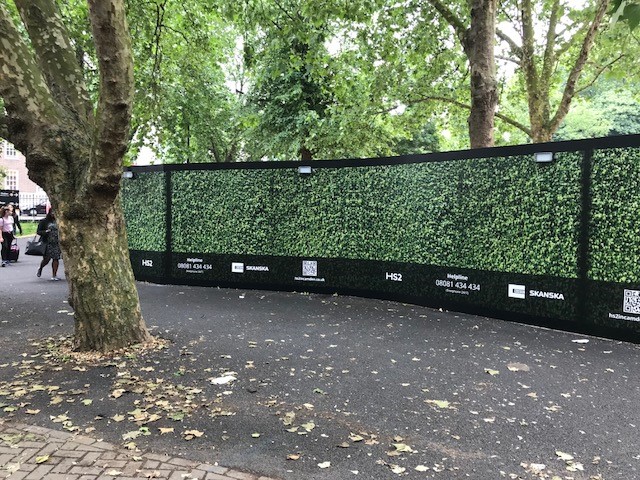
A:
(6, 226)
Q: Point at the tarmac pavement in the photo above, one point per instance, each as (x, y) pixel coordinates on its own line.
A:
(292, 386)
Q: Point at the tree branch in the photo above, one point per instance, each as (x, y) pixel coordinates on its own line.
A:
(114, 52)
(576, 71)
(465, 106)
(55, 54)
(27, 99)
(598, 73)
(528, 50)
(549, 52)
(509, 59)
(515, 48)
(453, 20)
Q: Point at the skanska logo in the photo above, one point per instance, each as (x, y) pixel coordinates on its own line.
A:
(549, 295)
(517, 291)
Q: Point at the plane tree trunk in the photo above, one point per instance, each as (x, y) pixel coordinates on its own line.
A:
(74, 150)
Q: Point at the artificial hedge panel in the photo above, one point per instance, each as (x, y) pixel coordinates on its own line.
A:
(221, 211)
(519, 216)
(144, 204)
(499, 214)
(614, 249)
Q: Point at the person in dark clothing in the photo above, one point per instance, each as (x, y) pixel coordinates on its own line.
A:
(48, 231)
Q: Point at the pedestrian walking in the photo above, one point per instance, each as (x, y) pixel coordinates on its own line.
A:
(15, 213)
(6, 225)
(48, 231)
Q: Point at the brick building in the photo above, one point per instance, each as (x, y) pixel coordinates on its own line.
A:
(14, 165)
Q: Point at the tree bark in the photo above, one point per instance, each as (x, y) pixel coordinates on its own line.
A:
(76, 154)
(102, 288)
(478, 44)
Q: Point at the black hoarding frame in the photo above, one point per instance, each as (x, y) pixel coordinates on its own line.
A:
(584, 290)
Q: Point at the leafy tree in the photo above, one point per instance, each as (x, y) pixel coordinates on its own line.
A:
(309, 91)
(424, 141)
(608, 109)
(182, 103)
(568, 40)
(74, 150)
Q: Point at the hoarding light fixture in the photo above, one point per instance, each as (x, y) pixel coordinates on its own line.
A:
(543, 157)
(305, 170)
(127, 174)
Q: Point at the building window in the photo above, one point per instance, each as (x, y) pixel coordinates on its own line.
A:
(11, 180)
(10, 150)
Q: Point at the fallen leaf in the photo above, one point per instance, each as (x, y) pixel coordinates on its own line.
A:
(42, 459)
(401, 447)
(564, 456)
(518, 367)
(574, 466)
(294, 456)
(308, 426)
(191, 434)
(439, 403)
(32, 412)
(289, 418)
(491, 372)
(356, 438)
(131, 435)
(324, 464)
(164, 431)
(113, 473)
(422, 468)
(118, 393)
(223, 380)
(398, 469)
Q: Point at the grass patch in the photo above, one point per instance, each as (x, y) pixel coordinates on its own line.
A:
(29, 228)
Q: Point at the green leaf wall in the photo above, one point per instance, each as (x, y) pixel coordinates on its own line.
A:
(144, 204)
(615, 216)
(505, 214)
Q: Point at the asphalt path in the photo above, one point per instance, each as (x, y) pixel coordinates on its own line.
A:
(327, 387)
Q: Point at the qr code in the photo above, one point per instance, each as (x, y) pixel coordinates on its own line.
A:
(309, 268)
(631, 301)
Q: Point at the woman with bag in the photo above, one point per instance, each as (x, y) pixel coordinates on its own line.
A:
(48, 231)
(6, 225)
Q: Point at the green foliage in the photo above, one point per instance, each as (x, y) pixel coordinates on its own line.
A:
(144, 205)
(610, 109)
(422, 213)
(614, 247)
(183, 110)
(626, 11)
